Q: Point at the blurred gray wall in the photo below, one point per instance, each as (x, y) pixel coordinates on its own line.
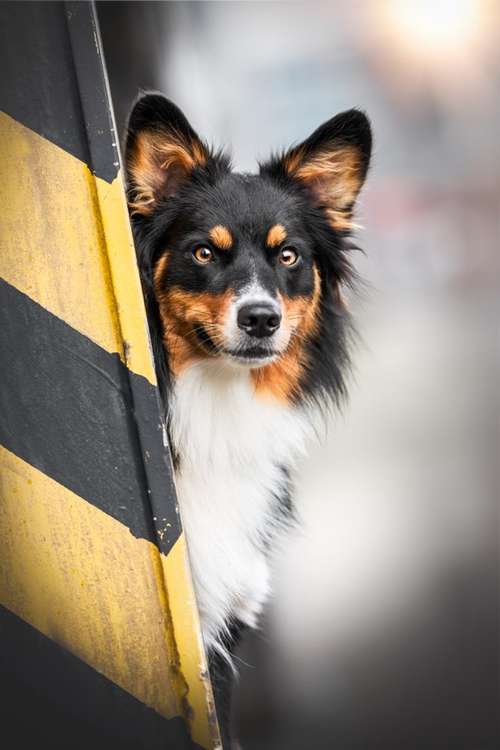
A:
(383, 632)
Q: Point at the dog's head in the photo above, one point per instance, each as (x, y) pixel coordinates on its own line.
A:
(242, 267)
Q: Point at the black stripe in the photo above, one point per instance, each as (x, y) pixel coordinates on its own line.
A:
(74, 411)
(95, 97)
(52, 79)
(52, 699)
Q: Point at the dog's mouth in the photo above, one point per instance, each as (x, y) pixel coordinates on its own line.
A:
(255, 355)
(249, 355)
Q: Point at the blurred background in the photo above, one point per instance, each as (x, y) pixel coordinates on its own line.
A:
(383, 630)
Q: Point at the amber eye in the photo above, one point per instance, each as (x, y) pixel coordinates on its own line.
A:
(203, 255)
(288, 256)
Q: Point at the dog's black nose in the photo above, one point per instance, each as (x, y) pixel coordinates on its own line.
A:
(258, 320)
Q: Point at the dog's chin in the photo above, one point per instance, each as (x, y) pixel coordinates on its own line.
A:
(251, 358)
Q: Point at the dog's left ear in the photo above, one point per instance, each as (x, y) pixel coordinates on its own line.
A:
(162, 151)
(332, 163)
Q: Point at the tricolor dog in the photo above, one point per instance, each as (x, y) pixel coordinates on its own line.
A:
(243, 277)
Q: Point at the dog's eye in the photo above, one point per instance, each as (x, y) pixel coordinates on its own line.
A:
(203, 255)
(288, 256)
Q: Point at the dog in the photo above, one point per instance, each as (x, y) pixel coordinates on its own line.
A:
(243, 277)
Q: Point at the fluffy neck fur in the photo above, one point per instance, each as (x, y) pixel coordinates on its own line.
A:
(235, 452)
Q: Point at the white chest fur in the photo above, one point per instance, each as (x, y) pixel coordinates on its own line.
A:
(231, 444)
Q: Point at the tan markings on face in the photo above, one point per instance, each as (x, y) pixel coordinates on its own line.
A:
(221, 237)
(282, 379)
(181, 312)
(276, 235)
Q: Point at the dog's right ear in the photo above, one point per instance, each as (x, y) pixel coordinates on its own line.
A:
(162, 150)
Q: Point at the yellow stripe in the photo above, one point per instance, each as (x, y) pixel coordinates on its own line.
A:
(187, 636)
(82, 579)
(65, 241)
(125, 277)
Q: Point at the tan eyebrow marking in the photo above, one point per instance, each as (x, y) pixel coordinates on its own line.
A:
(276, 235)
(221, 237)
